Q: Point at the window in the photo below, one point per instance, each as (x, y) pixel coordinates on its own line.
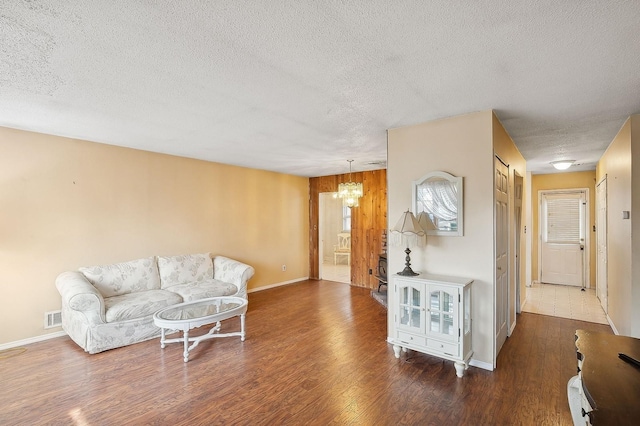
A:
(346, 218)
(563, 218)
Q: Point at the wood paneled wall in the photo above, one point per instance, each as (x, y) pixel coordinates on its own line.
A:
(368, 223)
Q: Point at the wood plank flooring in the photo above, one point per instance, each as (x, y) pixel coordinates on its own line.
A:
(315, 354)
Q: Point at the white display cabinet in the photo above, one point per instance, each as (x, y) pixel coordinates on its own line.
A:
(432, 315)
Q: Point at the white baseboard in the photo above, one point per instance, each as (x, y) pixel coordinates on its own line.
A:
(481, 364)
(613, 327)
(30, 340)
(266, 287)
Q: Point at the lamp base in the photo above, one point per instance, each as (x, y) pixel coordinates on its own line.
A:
(407, 271)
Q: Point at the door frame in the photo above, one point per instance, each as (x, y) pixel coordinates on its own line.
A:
(517, 229)
(602, 257)
(321, 225)
(586, 253)
(497, 346)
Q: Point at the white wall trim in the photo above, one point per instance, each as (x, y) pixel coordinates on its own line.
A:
(513, 327)
(481, 364)
(280, 284)
(528, 231)
(613, 327)
(524, 302)
(30, 340)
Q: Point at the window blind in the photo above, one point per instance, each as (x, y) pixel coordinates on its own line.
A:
(563, 219)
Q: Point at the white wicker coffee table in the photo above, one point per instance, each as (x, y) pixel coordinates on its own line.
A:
(185, 316)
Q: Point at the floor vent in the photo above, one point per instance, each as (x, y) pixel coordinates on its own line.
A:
(52, 319)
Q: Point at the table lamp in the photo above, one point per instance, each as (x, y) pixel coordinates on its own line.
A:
(408, 231)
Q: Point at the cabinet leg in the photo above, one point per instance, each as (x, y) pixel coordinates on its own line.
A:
(460, 367)
(396, 350)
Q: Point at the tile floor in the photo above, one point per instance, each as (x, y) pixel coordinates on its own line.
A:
(340, 273)
(565, 302)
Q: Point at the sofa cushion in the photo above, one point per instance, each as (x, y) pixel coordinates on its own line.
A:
(138, 305)
(204, 289)
(124, 278)
(184, 269)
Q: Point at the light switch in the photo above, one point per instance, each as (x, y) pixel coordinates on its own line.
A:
(626, 214)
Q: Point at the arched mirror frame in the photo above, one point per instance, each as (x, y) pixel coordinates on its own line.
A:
(457, 182)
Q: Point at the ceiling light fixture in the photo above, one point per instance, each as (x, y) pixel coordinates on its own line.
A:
(562, 164)
(350, 191)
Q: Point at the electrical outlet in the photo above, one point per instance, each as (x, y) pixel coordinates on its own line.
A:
(370, 271)
(284, 268)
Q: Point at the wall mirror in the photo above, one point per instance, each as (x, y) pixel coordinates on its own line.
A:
(437, 203)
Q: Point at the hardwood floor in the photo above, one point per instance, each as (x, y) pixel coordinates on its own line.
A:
(315, 354)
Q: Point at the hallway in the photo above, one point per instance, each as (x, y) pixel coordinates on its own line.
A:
(564, 302)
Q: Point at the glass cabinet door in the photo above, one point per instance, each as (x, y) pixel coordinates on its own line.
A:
(442, 312)
(411, 306)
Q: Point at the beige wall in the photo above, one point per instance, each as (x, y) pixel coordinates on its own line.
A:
(568, 180)
(66, 203)
(461, 146)
(623, 258)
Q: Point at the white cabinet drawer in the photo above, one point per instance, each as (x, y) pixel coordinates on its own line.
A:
(410, 338)
(443, 347)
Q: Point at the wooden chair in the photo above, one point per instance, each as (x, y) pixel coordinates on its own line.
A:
(343, 248)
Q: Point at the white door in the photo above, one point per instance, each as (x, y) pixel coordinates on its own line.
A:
(601, 236)
(502, 250)
(562, 217)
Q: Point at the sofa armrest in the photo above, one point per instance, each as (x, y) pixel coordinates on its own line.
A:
(80, 295)
(234, 272)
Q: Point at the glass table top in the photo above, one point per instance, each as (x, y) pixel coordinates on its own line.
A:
(201, 308)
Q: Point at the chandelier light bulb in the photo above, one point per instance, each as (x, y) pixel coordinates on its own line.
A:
(350, 192)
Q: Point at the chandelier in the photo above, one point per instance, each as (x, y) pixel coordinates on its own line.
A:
(350, 192)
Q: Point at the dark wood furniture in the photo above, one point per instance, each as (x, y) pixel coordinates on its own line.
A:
(611, 385)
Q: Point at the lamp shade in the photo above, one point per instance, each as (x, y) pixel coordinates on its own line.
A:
(408, 229)
(425, 221)
(408, 225)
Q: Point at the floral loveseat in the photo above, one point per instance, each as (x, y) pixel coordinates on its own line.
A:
(109, 306)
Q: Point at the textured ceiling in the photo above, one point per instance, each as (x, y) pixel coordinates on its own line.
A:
(301, 86)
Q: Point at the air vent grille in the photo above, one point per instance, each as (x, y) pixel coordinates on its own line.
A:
(52, 319)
